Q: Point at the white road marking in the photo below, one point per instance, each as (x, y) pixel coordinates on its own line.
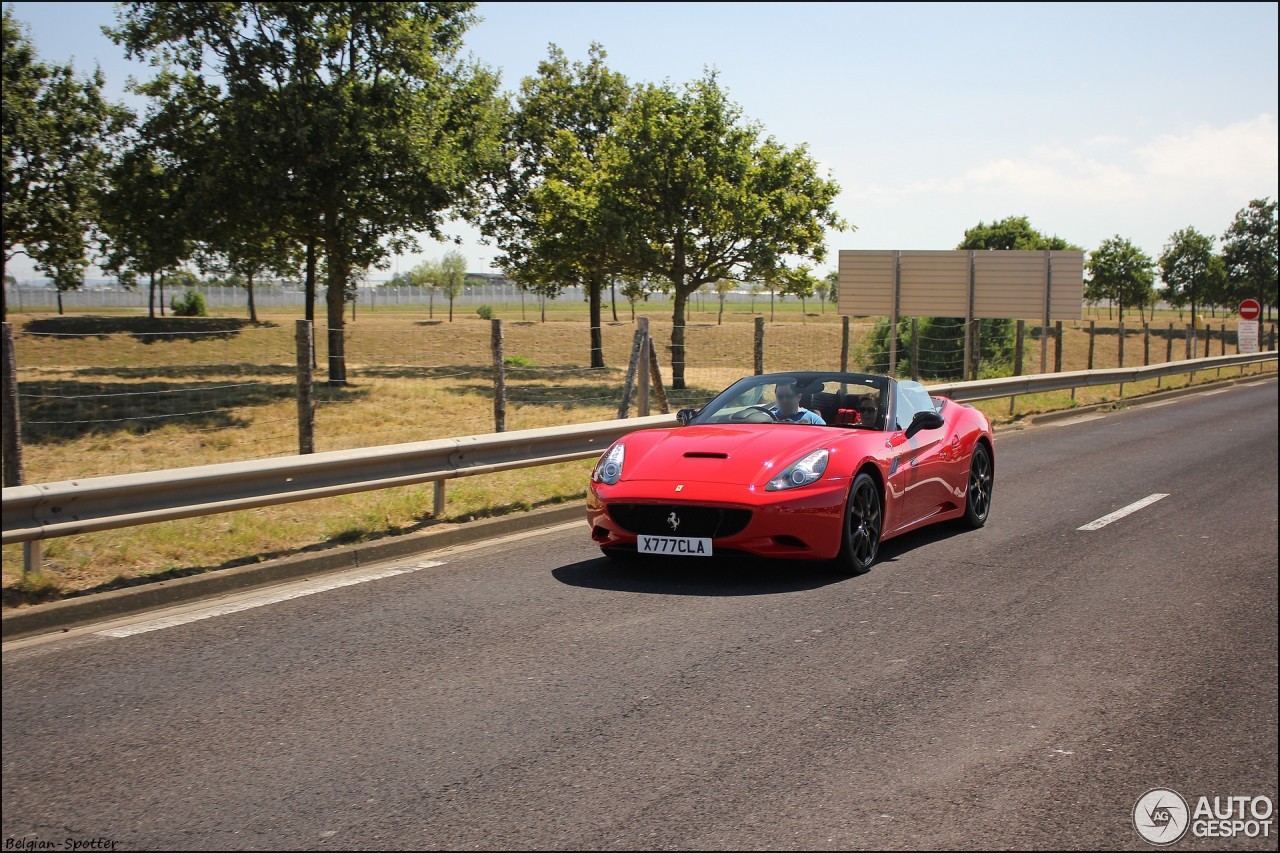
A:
(1079, 420)
(1122, 512)
(294, 591)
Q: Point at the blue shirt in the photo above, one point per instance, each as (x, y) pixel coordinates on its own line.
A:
(802, 416)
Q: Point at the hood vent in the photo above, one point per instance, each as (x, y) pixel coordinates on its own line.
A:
(699, 454)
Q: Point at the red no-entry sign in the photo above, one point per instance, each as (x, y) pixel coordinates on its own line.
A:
(1250, 309)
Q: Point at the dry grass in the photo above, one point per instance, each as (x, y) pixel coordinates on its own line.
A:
(121, 393)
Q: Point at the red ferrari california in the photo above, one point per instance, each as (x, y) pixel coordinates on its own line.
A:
(805, 465)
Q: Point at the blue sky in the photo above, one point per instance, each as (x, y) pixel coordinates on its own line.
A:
(1093, 119)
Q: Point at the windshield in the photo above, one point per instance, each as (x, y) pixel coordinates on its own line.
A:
(848, 400)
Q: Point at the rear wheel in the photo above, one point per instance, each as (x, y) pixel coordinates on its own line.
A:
(863, 519)
(977, 503)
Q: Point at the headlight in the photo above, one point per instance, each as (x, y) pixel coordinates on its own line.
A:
(800, 473)
(609, 468)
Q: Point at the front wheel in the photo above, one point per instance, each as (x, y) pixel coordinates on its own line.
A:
(977, 503)
(863, 519)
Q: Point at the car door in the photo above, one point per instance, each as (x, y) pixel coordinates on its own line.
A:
(926, 487)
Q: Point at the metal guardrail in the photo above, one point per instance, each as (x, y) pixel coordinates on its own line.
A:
(1010, 386)
(50, 510)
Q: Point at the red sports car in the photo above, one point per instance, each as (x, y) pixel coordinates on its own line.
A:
(806, 465)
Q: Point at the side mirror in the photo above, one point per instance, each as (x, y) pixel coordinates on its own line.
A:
(686, 415)
(925, 420)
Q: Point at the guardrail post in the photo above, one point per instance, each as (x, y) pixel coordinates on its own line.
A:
(642, 370)
(303, 340)
(437, 499)
(759, 344)
(499, 377)
(844, 344)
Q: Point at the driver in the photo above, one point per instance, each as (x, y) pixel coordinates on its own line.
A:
(788, 407)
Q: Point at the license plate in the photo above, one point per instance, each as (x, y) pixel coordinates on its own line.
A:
(676, 546)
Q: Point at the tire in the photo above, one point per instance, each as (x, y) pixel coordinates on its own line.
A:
(863, 524)
(977, 502)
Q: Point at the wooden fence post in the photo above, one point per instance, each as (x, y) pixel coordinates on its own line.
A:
(844, 344)
(1146, 344)
(629, 383)
(655, 375)
(1092, 324)
(304, 333)
(1019, 333)
(1057, 347)
(759, 346)
(12, 413)
(642, 369)
(499, 377)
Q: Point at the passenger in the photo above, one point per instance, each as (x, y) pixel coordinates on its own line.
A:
(867, 412)
(788, 407)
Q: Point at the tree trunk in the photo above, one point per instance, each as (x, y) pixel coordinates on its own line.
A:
(613, 298)
(680, 297)
(595, 287)
(335, 302)
(720, 316)
(59, 302)
(450, 307)
(151, 298)
(4, 290)
(253, 309)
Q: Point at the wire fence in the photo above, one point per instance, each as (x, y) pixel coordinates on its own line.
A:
(113, 395)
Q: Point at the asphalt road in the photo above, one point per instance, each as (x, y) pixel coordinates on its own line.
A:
(1019, 686)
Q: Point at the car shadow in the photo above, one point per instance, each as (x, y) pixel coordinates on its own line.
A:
(718, 577)
(737, 575)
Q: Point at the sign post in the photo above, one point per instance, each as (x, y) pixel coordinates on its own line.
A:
(1247, 331)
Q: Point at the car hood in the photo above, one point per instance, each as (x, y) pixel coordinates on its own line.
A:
(746, 455)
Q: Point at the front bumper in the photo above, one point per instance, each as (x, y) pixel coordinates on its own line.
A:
(804, 524)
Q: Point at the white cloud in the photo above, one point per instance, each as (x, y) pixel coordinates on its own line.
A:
(1241, 153)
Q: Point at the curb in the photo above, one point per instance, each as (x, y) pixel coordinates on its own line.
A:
(71, 612)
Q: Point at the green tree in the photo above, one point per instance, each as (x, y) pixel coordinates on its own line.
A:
(635, 289)
(144, 220)
(1122, 272)
(57, 129)
(364, 124)
(1184, 268)
(545, 212)
(1249, 249)
(1014, 233)
(452, 277)
(697, 195)
(427, 274)
(723, 287)
(800, 283)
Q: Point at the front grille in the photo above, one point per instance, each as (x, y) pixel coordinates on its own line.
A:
(701, 522)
